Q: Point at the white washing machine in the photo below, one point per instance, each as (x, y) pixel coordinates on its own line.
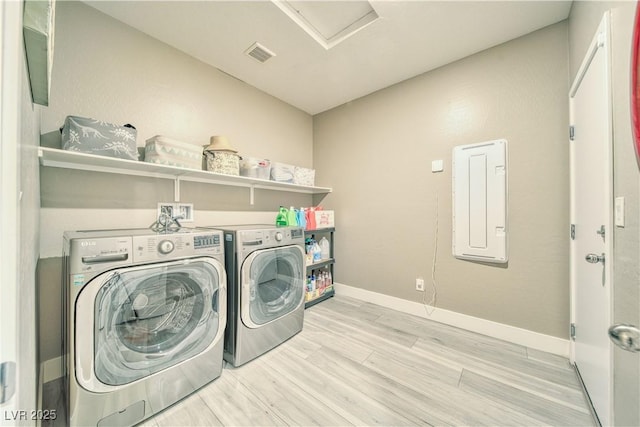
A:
(144, 321)
(265, 281)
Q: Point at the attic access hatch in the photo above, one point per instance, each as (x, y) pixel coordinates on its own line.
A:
(329, 22)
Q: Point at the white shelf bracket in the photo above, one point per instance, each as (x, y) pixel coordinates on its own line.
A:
(176, 189)
(252, 194)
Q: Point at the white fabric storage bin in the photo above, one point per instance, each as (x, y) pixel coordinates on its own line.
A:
(304, 176)
(282, 172)
(170, 152)
(254, 167)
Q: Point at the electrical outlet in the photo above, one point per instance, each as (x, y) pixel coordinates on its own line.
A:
(177, 209)
(420, 284)
(186, 211)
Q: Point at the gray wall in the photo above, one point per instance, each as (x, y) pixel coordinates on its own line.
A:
(105, 69)
(583, 22)
(378, 150)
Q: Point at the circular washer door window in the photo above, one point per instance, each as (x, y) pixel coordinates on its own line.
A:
(150, 318)
(272, 284)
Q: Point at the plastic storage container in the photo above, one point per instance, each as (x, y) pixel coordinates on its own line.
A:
(254, 167)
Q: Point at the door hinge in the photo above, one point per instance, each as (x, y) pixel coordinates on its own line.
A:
(573, 331)
(572, 232)
(572, 133)
(7, 381)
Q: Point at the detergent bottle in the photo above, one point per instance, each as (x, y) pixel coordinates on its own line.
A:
(292, 217)
(324, 248)
(311, 219)
(317, 252)
(302, 220)
(281, 218)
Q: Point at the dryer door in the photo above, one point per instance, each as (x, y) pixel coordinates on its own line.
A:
(272, 284)
(134, 322)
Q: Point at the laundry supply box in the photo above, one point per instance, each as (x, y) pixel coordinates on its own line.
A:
(324, 219)
(91, 136)
(167, 151)
(282, 172)
(254, 167)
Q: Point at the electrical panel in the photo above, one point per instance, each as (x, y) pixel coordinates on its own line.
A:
(479, 185)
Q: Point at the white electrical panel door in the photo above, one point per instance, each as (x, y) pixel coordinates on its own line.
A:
(480, 201)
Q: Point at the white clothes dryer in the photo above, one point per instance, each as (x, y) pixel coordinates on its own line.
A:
(144, 321)
(265, 280)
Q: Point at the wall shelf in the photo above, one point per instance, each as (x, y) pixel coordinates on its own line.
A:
(328, 293)
(318, 265)
(53, 157)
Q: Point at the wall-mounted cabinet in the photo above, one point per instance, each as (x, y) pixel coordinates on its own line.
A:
(52, 157)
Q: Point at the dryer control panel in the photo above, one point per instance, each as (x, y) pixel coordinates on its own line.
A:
(250, 240)
(265, 237)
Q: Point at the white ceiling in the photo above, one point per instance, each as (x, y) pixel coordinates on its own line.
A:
(410, 38)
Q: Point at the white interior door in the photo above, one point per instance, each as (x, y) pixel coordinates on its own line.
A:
(10, 23)
(591, 182)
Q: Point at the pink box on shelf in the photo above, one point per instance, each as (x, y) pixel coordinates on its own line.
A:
(324, 219)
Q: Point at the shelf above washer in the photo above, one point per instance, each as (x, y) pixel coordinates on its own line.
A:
(53, 157)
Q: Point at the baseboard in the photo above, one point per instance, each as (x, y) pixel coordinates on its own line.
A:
(52, 369)
(501, 331)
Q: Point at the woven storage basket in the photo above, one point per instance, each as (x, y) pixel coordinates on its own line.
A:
(223, 162)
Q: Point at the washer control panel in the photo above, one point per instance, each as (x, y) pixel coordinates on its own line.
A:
(166, 247)
(150, 248)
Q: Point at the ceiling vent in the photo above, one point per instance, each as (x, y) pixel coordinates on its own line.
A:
(259, 52)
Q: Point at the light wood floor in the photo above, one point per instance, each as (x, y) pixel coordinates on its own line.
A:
(357, 363)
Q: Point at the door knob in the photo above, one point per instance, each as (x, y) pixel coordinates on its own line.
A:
(594, 259)
(627, 337)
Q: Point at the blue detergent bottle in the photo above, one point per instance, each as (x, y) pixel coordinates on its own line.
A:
(302, 220)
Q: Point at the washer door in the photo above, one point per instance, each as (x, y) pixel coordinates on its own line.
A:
(272, 284)
(134, 322)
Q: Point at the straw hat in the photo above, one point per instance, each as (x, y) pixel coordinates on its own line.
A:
(220, 143)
